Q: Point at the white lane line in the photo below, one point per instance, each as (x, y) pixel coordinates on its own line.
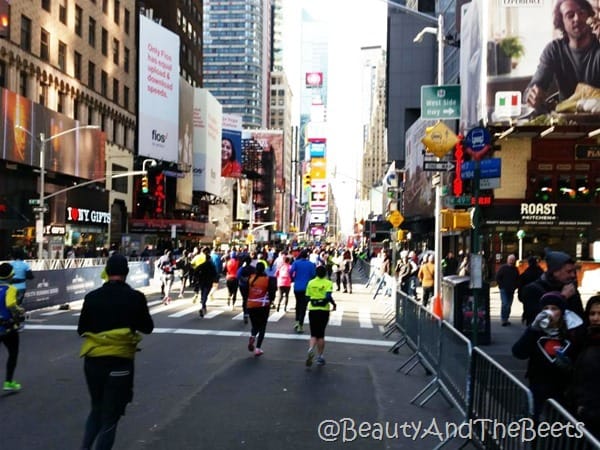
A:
(276, 316)
(188, 310)
(292, 337)
(364, 318)
(55, 313)
(335, 317)
(213, 313)
(240, 316)
(162, 308)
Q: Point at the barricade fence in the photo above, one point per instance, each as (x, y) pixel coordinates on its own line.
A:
(558, 429)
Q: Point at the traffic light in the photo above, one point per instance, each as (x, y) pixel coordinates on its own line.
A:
(400, 235)
(446, 219)
(306, 180)
(4, 19)
(145, 189)
(462, 220)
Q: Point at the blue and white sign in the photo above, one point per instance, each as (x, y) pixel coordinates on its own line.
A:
(477, 139)
(489, 168)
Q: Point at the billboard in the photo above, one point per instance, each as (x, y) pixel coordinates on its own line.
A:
(318, 168)
(231, 146)
(208, 120)
(501, 57)
(272, 141)
(158, 94)
(314, 79)
(418, 193)
(316, 149)
(185, 145)
(318, 195)
(78, 153)
(243, 199)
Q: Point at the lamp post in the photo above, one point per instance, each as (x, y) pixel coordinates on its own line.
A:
(439, 33)
(43, 140)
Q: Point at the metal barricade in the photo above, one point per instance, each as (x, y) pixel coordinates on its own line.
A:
(411, 310)
(498, 400)
(399, 322)
(563, 432)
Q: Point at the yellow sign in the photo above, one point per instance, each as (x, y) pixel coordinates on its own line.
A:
(395, 218)
(439, 139)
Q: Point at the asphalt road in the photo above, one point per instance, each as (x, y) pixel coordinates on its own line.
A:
(197, 386)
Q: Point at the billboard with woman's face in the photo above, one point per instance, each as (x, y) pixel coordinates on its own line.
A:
(231, 146)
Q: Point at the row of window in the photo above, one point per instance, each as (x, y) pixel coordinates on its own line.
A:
(565, 187)
(63, 8)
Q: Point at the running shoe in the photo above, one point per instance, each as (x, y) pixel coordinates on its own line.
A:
(201, 312)
(320, 361)
(310, 356)
(251, 344)
(258, 352)
(195, 298)
(11, 386)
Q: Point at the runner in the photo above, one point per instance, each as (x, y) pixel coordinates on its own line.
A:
(318, 293)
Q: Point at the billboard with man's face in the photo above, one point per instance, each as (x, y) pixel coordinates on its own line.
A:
(535, 63)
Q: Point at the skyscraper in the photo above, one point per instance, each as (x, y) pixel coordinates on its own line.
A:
(237, 57)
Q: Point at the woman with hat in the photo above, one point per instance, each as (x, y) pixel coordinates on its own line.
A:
(10, 317)
(550, 345)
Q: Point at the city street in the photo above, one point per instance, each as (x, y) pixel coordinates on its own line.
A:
(197, 386)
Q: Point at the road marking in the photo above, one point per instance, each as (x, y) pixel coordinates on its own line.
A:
(188, 310)
(364, 318)
(335, 317)
(188, 331)
(240, 316)
(276, 316)
(161, 308)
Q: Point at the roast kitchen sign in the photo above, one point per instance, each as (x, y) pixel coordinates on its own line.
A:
(82, 215)
(546, 214)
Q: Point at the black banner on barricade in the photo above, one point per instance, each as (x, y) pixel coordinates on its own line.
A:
(80, 281)
(46, 289)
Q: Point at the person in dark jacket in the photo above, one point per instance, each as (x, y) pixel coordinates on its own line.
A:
(243, 274)
(205, 275)
(584, 395)
(561, 276)
(11, 317)
(110, 319)
(507, 277)
(550, 344)
(529, 275)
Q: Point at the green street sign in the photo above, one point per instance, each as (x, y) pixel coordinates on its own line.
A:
(440, 102)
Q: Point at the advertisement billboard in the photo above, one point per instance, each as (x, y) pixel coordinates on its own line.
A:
(78, 153)
(318, 195)
(185, 146)
(314, 79)
(272, 141)
(243, 199)
(501, 58)
(208, 122)
(318, 168)
(418, 193)
(158, 93)
(231, 146)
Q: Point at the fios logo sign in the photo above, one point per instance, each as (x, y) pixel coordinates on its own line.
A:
(159, 138)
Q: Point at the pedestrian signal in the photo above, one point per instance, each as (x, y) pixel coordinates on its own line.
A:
(145, 189)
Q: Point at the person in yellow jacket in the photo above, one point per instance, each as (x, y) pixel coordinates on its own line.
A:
(261, 293)
(319, 295)
(426, 276)
(11, 316)
(110, 320)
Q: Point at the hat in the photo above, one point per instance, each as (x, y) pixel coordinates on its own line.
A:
(117, 265)
(6, 271)
(554, 298)
(556, 260)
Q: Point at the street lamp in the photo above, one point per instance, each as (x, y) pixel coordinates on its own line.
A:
(439, 33)
(43, 140)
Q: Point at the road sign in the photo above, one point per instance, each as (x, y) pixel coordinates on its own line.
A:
(440, 102)
(34, 201)
(395, 218)
(439, 139)
(436, 180)
(438, 166)
(39, 209)
(488, 168)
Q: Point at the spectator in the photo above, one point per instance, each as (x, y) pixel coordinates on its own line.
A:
(507, 277)
(548, 345)
(347, 265)
(529, 275)
(560, 276)
(449, 265)
(426, 276)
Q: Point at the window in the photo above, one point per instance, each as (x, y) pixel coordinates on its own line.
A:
(2, 74)
(104, 83)
(77, 65)
(62, 11)
(115, 91)
(126, 20)
(46, 5)
(104, 43)
(78, 20)
(44, 45)
(43, 99)
(115, 51)
(126, 97)
(91, 75)
(119, 184)
(117, 11)
(62, 56)
(105, 6)
(76, 108)
(23, 83)
(92, 33)
(26, 33)
(126, 60)
(60, 104)
(90, 115)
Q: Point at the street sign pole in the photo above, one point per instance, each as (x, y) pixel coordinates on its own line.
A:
(476, 269)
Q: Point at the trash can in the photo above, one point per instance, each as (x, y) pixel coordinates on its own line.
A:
(457, 304)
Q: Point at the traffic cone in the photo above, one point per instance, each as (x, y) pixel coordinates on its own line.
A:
(437, 307)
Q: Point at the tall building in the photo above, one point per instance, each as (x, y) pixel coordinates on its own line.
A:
(68, 66)
(183, 18)
(237, 57)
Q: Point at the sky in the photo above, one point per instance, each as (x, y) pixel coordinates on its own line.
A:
(352, 25)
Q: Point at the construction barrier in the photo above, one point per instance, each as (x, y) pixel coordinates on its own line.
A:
(562, 432)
